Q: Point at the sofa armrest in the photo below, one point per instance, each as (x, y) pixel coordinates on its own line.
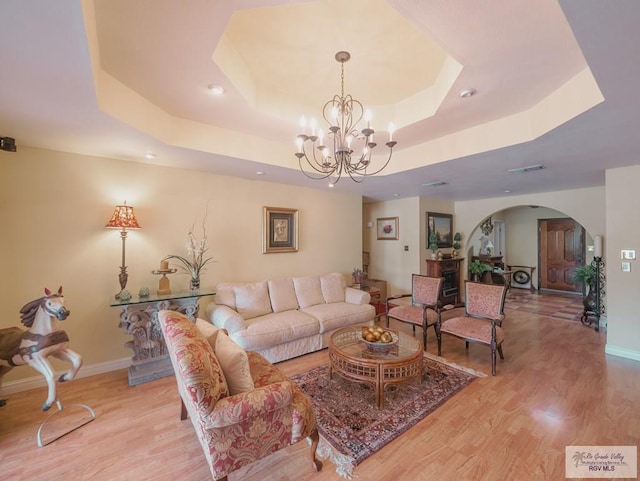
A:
(250, 405)
(356, 296)
(225, 318)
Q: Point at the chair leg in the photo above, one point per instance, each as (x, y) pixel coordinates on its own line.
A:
(438, 337)
(436, 327)
(315, 439)
(387, 320)
(500, 352)
(493, 360)
(183, 410)
(466, 344)
(424, 337)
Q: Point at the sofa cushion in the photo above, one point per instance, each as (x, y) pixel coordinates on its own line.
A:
(198, 370)
(273, 329)
(340, 314)
(226, 295)
(333, 286)
(308, 291)
(252, 300)
(282, 294)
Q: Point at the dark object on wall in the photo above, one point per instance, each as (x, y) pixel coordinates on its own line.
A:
(8, 144)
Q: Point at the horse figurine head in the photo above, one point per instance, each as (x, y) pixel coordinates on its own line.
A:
(52, 304)
(43, 338)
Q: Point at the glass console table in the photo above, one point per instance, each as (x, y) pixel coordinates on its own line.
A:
(139, 319)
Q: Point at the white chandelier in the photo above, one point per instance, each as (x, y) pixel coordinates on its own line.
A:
(343, 114)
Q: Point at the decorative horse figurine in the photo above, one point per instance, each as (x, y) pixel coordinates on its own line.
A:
(43, 338)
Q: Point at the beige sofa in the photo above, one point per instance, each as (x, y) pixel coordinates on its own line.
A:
(287, 317)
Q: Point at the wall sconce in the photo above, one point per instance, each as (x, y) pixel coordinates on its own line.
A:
(123, 218)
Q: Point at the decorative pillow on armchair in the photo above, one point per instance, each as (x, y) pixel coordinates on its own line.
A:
(197, 367)
(232, 358)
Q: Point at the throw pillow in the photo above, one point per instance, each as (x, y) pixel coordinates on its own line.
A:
(235, 364)
(282, 295)
(333, 286)
(208, 331)
(252, 300)
(308, 291)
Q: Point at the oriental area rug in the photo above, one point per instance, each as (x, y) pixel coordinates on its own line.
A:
(352, 428)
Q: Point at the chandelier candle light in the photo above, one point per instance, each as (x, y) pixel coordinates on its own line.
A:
(123, 218)
(343, 114)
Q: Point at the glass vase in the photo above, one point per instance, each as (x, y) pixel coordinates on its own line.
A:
(194, 285)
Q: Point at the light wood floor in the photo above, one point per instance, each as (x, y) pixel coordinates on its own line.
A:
(555, 388)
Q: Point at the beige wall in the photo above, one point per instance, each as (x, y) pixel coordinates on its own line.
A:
(389, 260)
(623, 288)
(53, 208)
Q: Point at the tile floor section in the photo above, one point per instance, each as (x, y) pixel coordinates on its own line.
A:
(561, 306)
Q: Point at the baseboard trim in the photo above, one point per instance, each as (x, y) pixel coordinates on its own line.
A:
(622, 352)
(38, 381)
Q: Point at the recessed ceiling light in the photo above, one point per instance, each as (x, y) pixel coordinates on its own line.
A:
(216, 89)
(150, 155)
(526, 169)
(259, 173)
(507, 191)
(465, 93)
(436, 183)
(396, 195)
(331, 186)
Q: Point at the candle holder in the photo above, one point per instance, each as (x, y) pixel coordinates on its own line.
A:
(164, 285)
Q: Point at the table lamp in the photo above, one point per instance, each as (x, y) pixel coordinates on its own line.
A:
(123, 218)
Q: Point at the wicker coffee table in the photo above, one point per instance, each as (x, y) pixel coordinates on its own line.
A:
(352, 359)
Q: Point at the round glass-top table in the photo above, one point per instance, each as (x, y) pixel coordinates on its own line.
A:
(352, 359)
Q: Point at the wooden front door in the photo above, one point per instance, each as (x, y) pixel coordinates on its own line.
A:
(561, 250)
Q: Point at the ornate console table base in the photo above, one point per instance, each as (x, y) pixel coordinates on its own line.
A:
(139, 319)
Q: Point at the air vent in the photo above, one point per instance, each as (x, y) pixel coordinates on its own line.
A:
(437, 183)
(526, 169)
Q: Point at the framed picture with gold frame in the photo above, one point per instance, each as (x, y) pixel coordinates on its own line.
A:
(387, 228)
(280, 230)
(442, 226)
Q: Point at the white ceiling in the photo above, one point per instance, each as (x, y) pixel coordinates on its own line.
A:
(120, 78)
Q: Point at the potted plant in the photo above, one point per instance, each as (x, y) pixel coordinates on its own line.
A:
(357, 275)
(433, 244)
(456, 244)
(477, 269)
(587, 275)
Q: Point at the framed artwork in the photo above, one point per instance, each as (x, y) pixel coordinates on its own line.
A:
(387, 228)
(280, 230)
(442, 225)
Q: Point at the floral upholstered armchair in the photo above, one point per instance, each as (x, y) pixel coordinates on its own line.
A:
(241, 406)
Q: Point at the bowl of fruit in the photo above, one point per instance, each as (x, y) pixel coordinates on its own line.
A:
(375, 337)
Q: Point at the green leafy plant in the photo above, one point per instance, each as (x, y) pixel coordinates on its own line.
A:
(357, 272)
(584, 275)
(479, 268)
(457, 238)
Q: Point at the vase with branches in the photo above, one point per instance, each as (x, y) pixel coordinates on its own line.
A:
(196, 259)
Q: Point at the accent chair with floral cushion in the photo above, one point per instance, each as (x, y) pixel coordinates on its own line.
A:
(481, 321)
(242, 407)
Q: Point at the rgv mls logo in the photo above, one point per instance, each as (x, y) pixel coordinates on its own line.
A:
(601, 461)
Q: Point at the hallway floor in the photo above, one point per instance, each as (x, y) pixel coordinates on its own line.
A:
(560, 306)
